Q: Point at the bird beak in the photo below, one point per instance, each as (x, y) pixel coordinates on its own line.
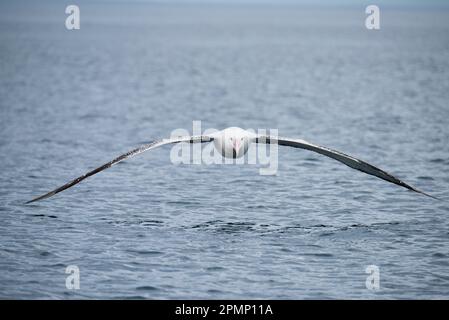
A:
(236, 148)
(236, 145)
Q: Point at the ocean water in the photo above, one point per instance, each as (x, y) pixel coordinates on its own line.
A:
(146, 228)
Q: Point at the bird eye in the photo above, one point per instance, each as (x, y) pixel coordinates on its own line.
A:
(241, 139)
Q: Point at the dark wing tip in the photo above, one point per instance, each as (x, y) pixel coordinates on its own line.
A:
(426, 194)
(44, 196)
(409, 187)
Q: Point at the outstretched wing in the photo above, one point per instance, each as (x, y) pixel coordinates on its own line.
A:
(129, 154)
(339, 156)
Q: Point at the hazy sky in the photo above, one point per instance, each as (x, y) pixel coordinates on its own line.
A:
(389, 3)
(331, 2)
(384, 3)
(318, 3)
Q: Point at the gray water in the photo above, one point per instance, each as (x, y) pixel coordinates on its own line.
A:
(72, 100)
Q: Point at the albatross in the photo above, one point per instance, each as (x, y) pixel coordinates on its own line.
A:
(234, 143)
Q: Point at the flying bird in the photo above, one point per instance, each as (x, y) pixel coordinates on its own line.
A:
(234, 143)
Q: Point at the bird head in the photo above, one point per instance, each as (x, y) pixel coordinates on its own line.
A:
(233, 142)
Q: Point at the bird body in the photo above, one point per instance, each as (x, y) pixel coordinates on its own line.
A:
(233, 142)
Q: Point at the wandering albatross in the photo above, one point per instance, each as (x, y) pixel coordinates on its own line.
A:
(234, 143)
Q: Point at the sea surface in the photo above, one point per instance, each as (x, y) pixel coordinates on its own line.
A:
(146, 228)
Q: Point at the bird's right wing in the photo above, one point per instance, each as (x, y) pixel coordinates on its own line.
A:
(145, 147)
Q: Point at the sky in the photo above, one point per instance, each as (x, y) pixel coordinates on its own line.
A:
(308, 2)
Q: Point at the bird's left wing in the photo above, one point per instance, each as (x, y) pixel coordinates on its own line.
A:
(129, 154)
(339, 156)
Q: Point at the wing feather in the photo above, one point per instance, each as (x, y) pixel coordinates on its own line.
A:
(343, 158)
(129, 154)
